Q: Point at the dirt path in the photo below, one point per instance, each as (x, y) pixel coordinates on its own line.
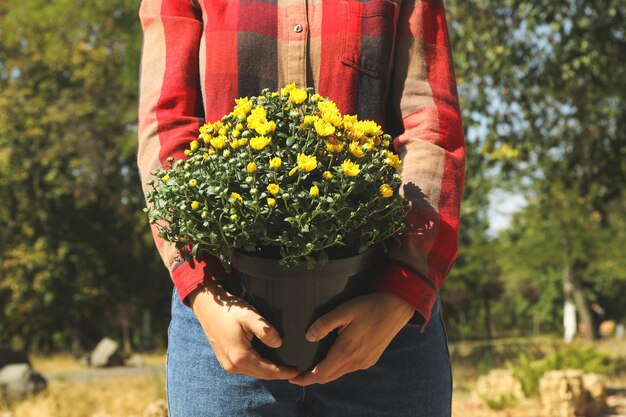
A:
(104, 373)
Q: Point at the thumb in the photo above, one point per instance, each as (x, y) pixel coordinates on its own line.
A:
(321, 327)
(264, 331)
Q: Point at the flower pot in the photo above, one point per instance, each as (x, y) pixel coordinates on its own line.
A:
(291, 299)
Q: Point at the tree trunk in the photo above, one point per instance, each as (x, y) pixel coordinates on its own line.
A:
(77, 346)
(488, 318)
(146, 330)
(575, 293)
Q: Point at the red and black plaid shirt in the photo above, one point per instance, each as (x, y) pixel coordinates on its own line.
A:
(386, 60)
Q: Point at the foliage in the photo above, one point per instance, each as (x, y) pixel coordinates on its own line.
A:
(501, 402)
(283, 174)
(542, 87)
(72, 239)
(529, 368)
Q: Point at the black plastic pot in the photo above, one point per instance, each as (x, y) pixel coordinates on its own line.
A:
(291, 299)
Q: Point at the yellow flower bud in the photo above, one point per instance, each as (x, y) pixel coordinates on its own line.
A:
(251, 167)
(273, 188)
(194, 145)
(314, 191)
(327, 175)
(385, 190)
(271, 202)
(275, 163)
(236, 198)
(165, 178)
(195, 205)
(193, 183)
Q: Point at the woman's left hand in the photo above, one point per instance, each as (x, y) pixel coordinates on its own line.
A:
(367, 324)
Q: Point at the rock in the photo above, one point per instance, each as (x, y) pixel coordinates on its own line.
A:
(499, 386)
(136, 361)
(106, 353)
(20, 380)
(563, 394)
(8, 357)
(595, 394)
(156, 409)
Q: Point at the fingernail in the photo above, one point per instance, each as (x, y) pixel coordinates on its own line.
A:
(311, 335)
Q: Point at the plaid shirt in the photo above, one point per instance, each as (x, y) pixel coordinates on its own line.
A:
(386, 60)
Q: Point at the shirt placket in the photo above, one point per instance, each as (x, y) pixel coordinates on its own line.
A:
(297, 46)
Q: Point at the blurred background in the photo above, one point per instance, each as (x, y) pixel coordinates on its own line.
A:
(540, 282)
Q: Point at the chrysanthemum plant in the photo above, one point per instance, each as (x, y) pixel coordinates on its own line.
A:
(285, 175)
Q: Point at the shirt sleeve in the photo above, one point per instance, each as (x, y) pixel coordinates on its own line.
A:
(170, 112)
(431, 147)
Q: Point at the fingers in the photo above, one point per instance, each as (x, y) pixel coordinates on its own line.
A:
(327, 369)
(263, 330)
(249, 362)
(337, 318)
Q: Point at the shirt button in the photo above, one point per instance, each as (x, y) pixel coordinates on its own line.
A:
(298, 28)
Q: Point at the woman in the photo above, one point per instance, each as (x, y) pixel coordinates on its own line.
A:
(381, 59)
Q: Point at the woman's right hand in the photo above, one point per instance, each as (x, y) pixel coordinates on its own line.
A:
(230, 324)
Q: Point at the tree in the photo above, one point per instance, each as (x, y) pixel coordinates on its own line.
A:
(546, 82)
(73, 240)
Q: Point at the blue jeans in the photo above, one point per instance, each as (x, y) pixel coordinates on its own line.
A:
(412, 378)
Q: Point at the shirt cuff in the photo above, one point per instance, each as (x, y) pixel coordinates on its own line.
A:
(416, 290)
(189, 275)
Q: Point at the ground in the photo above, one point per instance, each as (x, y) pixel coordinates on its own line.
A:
(76, 391)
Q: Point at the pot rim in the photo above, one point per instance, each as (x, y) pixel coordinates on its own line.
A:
(267, 268)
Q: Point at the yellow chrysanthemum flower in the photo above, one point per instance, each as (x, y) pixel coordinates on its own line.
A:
(187, 152)
(193, 182)
(251, 167)
(298, 95)
(258, 143)
(206, 138)
(222, 131)
(355, 149)
(306, 163)
(211, 151)
(242, 108)
(350, 168)
(370, 127)
(323, 128)
(273, 188)
(236, 198)
(243, 142)
(327, 106)
(218, 142)
(239, 127)
(385, 190)
(308, 119)
(334, 118)
(314, 191)
(327, 175)
(334, 145)
(275, 163)
(393, 160)
(194, 145)
(195, 205)
(234, 144)
(235, 134)
(205, 156)
(349, 121)
(287, 89)
(271, 202)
